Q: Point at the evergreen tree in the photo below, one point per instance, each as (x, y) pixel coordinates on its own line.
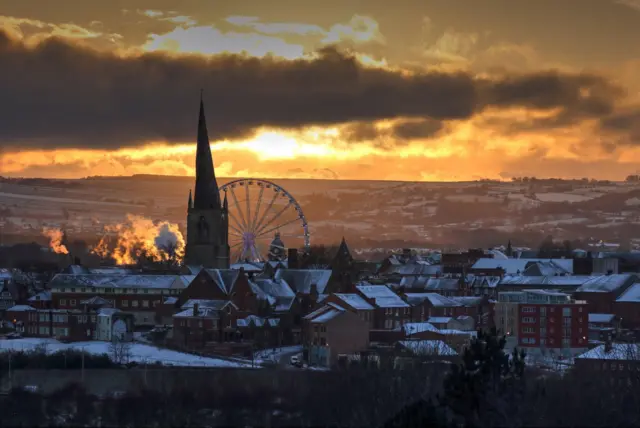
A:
(486, 388)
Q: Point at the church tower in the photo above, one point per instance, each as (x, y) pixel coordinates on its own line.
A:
(207, 218)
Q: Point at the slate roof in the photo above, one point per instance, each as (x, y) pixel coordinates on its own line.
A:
(354, 300)
(383, 296)
(300, 280)
(63, 280)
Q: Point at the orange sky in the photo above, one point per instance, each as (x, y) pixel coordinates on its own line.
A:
(500, 141)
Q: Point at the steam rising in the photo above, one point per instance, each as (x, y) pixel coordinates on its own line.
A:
(140, 238)
(55, 240)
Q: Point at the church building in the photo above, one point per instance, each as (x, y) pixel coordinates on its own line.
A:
(207, 218)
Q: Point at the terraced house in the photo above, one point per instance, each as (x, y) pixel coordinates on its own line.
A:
(136, 294)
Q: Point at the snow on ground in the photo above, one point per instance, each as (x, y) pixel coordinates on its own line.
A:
(139, 352)
(275, 354)
(561, 197)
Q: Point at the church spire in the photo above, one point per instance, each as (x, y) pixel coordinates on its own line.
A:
(206, 195)
(190, 203)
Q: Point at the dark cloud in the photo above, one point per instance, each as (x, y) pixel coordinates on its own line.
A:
(625, 123)
(409, 130)
(60, 95)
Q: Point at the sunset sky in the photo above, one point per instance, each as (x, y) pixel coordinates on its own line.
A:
(424, 90)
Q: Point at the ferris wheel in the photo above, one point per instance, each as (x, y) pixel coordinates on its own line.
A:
(263, 216)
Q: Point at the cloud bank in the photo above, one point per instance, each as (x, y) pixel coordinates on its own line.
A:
(57, 94)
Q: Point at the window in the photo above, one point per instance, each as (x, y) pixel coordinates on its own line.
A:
(543, 311)
(528, 319)
(63, 302)
(145, 303)
(566, 321)
(529, 309)
(72, 302)
(543, 342)
(388, 324)
(323, 341)
(566, 342)
(200, 323)
(229, 323)
(580, 309)
(552, 309)
(124, 303)
(529, 330)
(43, 330)
(543, 331)
(323, 329)
(134, 303)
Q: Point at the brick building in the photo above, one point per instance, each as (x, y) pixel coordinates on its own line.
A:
(602, 291)
(627, 307)
(332, 331)
(390, 311)
(136, 294)
(544, 320)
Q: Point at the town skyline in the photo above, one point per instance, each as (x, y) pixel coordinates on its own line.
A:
(429, 91)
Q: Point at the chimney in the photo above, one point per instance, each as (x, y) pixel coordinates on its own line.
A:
(608, 346)
(292, 258)
(196, 309)
(314, 290)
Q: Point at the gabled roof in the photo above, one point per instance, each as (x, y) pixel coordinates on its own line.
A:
(619, 352)
(417, 327)
(21, 308)
(601, 318)
(428, 347)
(43, 296)
(224, 278)
(301, 280)
(434, 299)
(210, 304)
(632, 295)
(95, 301)
(354, 301)
(517, 266)
(62, 280)
(383, 296)
(606, 283)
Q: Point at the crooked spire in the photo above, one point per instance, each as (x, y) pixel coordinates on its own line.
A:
(206, 195)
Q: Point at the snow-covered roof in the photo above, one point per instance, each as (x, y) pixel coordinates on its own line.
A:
(606, 283)
(170, 300)
(551, 281)
(248, 267)
(95, 300)
(601, 318)
(63, 280)
(417, 327)
(301, 280)
(439, 320)
(327, 316)
(354, 300)
(43, 296)
(632, 295)
(413, 269)
(619, 351)
(440, 301)
(515, 266)
(205, 303)
(384, 297)
(428, 347)
(21, 308)
(448, 332)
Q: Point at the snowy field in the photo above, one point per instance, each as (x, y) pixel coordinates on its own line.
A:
(139, 352)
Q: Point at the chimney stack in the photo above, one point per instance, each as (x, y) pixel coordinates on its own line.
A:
(196, 309)
(292, 258)
(608, 346)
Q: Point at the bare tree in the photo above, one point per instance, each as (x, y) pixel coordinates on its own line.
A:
(119, 351)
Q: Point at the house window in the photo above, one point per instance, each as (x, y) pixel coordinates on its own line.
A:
(63, 302)
(229, 323)
(580, 309)
(388, 324)
(145, 303)
(543, 311)
(528, 320)
(134, 303)
(72, 302)
(323, 341)
(124, 303)
(323, 329)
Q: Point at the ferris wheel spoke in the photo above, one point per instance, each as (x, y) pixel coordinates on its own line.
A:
(274, 218)
(246, 188)
(237, 223)
(264, 214)
(252, 224)
(235, 245)
(237, 205)
(278, 227)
